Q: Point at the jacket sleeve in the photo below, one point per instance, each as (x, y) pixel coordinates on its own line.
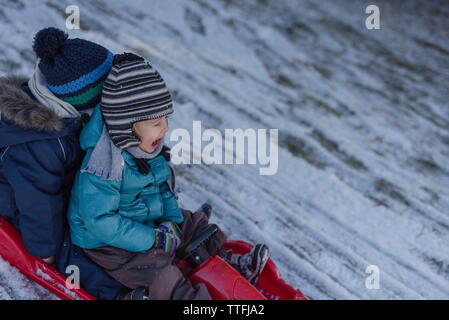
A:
(99, 203)
(35, 171)
(170, 205)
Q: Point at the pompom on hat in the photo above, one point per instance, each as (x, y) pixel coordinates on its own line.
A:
(74, 69)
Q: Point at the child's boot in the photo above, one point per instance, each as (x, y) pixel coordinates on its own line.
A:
(251, 264)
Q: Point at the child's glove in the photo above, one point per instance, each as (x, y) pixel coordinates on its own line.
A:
(170, 227)
(166, 241)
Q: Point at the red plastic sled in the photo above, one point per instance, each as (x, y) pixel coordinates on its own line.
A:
(225, 283)
(221, 280)
(13, 250)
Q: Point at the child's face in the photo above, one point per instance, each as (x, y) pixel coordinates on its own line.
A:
(150, 131)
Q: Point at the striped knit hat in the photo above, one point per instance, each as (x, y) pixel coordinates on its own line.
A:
(133, 91)
(74, 69)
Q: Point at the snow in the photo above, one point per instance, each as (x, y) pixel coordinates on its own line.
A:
(15, 286)
(362, 116)
(49, 279)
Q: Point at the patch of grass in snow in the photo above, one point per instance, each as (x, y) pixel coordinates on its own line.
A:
(6, 288)
(3, 16)
(295, 30)
(299, 148)
(324, 72)
(179, 97)
(271, 61)
(194, 21)
(425, 112)
(440, 266)
(229, 69)
(389, 189)
(8, 66)
(285, 224)
(323, 106)
(369, 89)
(207, 6)
(428, 166)
(15, 4)
(59, 9)
(225, 101)
(444, 139)
(377, 201)
(285, 81)
(209, 120)
(434, 197)
(432, 46)
(102, 7)
(334, 149)
(27, 55)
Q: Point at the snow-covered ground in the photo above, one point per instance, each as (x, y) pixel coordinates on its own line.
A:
(363, 120)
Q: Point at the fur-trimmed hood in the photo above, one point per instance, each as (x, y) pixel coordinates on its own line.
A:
(24, 120)
(17, 106)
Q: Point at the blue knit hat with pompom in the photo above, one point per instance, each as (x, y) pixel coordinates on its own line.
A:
(74, 69)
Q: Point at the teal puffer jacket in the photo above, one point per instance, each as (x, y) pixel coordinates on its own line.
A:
(119, 213)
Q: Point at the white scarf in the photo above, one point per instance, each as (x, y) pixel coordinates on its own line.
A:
(106, 160)
(38, 86)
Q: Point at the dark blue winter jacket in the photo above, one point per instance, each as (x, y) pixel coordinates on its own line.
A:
(39, 157)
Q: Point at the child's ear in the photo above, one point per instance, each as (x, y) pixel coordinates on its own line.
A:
(135, 130)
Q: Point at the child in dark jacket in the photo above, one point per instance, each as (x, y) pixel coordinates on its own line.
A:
(123, 210)
(40, 123)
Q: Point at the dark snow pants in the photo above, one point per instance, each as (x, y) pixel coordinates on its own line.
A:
(155, 268)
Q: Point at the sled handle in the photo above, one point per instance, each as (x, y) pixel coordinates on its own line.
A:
(195, 252)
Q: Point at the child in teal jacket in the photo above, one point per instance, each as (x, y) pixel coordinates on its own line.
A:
(120, 212)
(123, 210)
